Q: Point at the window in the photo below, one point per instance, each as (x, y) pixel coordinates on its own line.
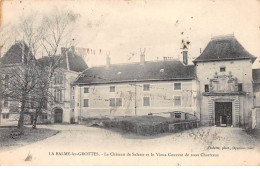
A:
(118, 102)
(146, 87)
(86, 90)
(73, 88)
(206, 88)
(72, 97)
(44, 116)
(85, 103)
(177, 86)
(222, 69)
(112, 88)
(177, 100)
(240, 87)
(72, 110)
(58, 79)
(177, 115)
(115, 102)
(112, 102)
(5, 116)
(57, 95)
(5, 101)
(146, 101)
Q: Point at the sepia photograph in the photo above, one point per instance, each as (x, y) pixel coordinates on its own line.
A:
(129, 83)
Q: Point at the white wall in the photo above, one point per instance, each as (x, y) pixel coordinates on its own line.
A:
(161, 99)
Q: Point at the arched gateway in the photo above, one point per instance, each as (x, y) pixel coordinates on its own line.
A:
(58, 115)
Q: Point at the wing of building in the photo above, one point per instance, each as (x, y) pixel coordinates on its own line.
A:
(10, 64)
(133, 89)
(224, 75)
(68, 66)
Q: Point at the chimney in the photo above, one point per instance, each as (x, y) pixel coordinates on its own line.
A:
(200, 50)
(185, 57)
(63, 50)
(142, 57)
(108, 62)
(73, 50)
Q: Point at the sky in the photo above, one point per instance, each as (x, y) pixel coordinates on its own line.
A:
(122, 27)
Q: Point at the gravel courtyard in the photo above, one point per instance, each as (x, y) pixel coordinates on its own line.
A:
(81, 145)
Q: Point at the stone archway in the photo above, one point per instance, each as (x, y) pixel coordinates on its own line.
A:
(58, 115)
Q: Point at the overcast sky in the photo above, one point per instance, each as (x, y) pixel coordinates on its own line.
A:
(123, 27)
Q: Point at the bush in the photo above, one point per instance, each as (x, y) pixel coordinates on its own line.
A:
(92, 120)
(141, 125)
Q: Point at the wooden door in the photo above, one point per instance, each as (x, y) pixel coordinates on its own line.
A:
(223, 113)
(58, 116)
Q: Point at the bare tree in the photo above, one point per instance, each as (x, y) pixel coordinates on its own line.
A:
(58, 31)
(19, 80)
(29, 82)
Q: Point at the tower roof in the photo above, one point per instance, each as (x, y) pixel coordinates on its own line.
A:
(224, 48)
(15, 54)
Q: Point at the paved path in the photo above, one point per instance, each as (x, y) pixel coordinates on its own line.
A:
(235, 147)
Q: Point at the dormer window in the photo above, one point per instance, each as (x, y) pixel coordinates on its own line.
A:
(222, 69)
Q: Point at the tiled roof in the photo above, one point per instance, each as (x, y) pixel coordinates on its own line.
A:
(224, 48)
(150, 71)
(76, 63)
(15, 53)
(256, 75)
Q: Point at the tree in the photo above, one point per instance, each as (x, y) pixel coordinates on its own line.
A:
(29, 81)
(58, 31)
(19, 80)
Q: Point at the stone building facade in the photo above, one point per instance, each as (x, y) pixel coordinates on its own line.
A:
(220, 88)
(60, 107)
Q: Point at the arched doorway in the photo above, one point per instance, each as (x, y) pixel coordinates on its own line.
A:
(58, 114)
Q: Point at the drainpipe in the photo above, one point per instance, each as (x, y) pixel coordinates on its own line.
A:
(244, 101)
(79, 104)
(135, 99)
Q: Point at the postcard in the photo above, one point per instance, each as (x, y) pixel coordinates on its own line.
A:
(129, 83)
